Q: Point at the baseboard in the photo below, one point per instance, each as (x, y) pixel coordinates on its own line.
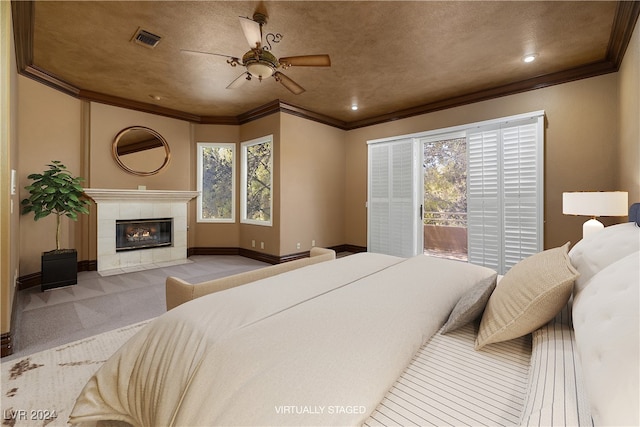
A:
(32, 280)
(348, 248)
(6, 344)
(212, 251)
(6, 339)
(88, 265)
(248, 253)
(28, 281)
(35, 279)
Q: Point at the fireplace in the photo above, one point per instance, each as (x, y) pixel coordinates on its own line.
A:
(143, 233)
(120, 204)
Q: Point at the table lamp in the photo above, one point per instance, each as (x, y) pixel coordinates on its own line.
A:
(595, 204)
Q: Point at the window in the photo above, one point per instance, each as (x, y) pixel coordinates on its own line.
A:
(257, 181)
(216, 182)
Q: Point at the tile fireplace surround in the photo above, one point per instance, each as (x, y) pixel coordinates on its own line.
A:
(113, 204)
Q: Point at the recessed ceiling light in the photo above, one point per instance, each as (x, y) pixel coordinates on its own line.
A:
(155, 97)
(354, 107)
(530, 58)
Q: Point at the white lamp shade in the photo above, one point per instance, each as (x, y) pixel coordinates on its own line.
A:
(597, 203)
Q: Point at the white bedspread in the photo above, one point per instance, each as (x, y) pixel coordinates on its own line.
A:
(316, 346)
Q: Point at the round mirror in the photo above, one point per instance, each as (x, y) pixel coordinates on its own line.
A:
(141, 151)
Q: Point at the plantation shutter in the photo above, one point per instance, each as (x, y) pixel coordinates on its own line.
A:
(393, 209)
(505, 192)
(522, 193)
(484, 227)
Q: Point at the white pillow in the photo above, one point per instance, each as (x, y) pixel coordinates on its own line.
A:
(592, 254)
(606, 321)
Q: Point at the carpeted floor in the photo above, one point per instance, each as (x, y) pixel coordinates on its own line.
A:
(97, 304)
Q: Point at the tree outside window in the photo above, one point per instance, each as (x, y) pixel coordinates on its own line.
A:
(445, 182)
(216, 172)
(257, 181)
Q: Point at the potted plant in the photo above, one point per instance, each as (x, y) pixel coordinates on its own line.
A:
(56, 192)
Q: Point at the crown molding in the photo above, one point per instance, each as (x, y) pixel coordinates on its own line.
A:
(625, 19)
(624, 23)
(116, 101)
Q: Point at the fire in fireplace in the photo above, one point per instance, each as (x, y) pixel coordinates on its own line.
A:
(143, 233)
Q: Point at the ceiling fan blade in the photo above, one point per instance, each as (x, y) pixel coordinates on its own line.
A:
(242, 79)
(252, 32)
(306, 61)
(294, 87)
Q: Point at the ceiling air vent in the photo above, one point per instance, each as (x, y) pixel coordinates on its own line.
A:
(146, 39)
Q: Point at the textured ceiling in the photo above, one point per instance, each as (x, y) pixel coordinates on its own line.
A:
(387, 56)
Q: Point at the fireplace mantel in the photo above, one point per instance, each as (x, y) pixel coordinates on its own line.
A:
(102, 195)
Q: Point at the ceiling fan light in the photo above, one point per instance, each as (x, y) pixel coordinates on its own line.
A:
(260, 70)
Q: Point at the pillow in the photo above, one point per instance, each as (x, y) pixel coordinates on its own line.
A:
(471, 305)
(528, 296)
(606, 321)
(592, 254)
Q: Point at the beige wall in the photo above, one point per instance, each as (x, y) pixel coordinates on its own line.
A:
(581, 147)
(270, 235)
(49, 124)
(107, 121)
(312, 175)
(629, 90)
(9, 204)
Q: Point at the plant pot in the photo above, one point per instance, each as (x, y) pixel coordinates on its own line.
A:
(59, 268)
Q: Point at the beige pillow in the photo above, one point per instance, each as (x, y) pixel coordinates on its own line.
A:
(528, 296)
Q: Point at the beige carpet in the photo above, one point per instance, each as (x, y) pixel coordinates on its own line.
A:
(40, 389)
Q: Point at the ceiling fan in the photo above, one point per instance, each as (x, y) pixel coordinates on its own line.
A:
(260, 62)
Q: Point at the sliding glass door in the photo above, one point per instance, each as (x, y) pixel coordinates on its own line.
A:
(501, 186)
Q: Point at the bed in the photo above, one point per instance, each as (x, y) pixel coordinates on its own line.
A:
(371, 339)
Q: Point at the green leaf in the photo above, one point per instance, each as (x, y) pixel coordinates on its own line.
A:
(41, 215)
(55, 191)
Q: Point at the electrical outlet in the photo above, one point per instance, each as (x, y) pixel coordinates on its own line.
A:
(313, 243)
(253, 243)
(297, 245)
(261, 245)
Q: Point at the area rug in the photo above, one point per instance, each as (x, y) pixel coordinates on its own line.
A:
(41, 389)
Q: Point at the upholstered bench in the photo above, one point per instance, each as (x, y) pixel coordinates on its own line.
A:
(178, 291)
